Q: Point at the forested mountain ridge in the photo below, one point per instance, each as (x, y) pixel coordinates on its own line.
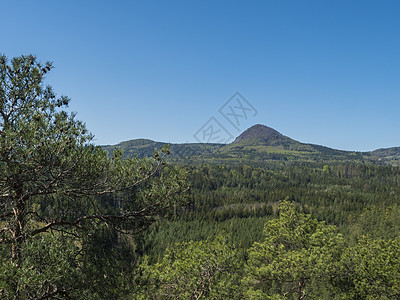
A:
(389, 155)
(145, 148)
(256, 145)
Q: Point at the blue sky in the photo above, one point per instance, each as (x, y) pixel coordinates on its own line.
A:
(323, 72)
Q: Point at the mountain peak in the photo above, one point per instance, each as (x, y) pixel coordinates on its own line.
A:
(260, 133)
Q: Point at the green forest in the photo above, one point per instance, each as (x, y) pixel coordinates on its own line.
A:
(252, 220)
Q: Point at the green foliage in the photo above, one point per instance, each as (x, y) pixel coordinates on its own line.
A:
(297, 251)
(371, 270)
(194, 270)
(162, 235)
(54, 181)
(74, 216)
(107, 265)
(47, 269)
(379, 222)
(299, 257)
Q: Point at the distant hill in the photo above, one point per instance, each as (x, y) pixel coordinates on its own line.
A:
(262, 134)
(258, 145)
(387, 155)
(145, 148)
(262, 143)
(138, 147)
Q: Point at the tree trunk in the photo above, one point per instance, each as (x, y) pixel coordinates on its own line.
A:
(19, 225)
(18, 234)
(300, 292)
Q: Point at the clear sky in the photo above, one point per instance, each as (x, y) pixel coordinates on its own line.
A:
(323, 72)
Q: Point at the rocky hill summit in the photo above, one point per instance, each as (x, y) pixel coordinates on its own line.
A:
(261, 134)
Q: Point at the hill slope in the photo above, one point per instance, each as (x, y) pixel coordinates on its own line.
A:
(145, 148)
(259, 145)
(262, 134)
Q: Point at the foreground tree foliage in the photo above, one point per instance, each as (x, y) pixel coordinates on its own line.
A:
(371, 270)
(56, 188)
(193, 270)
(296, 259)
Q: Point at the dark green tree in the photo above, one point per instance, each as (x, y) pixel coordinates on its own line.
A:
(53, 180)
